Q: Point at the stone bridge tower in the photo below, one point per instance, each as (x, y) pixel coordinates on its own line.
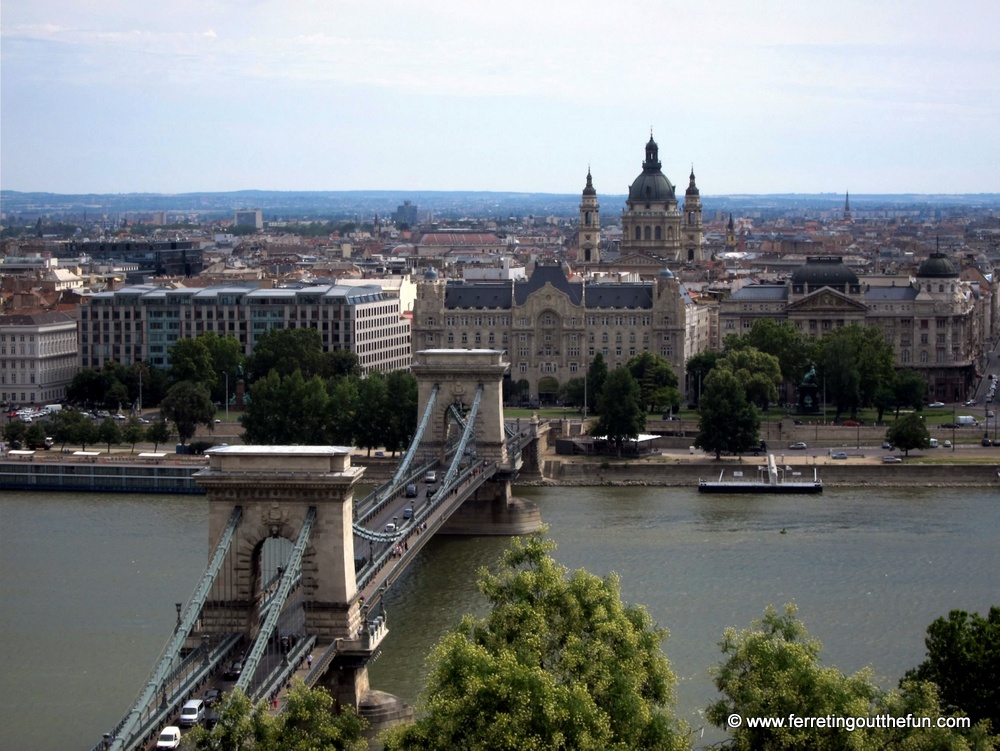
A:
(458, 373)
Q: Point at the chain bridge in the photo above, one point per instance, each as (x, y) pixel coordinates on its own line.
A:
(299, 570)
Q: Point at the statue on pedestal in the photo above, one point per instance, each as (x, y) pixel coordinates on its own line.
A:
(808, 393)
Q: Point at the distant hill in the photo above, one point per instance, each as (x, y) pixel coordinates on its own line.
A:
(364, 204)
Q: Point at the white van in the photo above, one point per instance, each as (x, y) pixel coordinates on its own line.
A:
(193, 712)
(934, 443)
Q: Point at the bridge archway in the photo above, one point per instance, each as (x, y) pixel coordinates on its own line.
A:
(276, 486)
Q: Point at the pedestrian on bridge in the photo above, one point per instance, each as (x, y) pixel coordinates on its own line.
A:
(309, 661)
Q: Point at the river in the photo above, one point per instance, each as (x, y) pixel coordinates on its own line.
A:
(88, 585)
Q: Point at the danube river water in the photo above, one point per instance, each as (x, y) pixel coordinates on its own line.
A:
(88, 585)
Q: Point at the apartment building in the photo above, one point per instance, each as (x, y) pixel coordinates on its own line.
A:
(140, 323)
(38, 356)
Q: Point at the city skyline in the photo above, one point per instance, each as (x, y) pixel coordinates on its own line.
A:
(827, 97)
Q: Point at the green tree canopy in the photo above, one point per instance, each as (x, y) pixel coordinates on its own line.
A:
(773, 670)
(597, 374)
(286, 410)
(657, 382)
(698, 368)
(285, 351)
(963, 660)
(191, 360)
(727, 422)
(226, 354)
(560, 662)
(109, 433)
(401, 387)
(909, 432)
(187, 404)
(133, 432)
(783, 340)
(158, 432)
(622, 416)
(910, 390)
(309, 722)
(758, 373)
(373, 406)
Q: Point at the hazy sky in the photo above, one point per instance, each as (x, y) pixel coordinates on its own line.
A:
(870, 96)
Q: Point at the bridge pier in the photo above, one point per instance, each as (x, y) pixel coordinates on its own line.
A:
(492, 510)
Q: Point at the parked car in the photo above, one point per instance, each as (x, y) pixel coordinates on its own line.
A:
(935, 405)
(192, 713)
(887, 445)
(798, 446)
(946, 444)
(852, 423)
(170, 737)
(891, 460)
(986, 442)
(838, 455)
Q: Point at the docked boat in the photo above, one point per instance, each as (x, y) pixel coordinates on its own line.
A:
(769, 479)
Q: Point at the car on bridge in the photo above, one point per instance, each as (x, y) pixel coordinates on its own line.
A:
(193, 712)
(411, 491)
(390, 527)
(234, 671)
(408, 512)
(170, 737)
(211, 697)
(431, 476)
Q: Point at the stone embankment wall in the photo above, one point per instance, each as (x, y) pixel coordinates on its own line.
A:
(687, 474)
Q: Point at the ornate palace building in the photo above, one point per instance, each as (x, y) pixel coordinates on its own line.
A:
(935, 322)
(552, 328)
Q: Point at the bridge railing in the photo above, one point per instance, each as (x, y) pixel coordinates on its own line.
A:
(126, 729)
(466, 481)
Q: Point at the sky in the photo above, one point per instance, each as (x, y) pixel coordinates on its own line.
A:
(776, 96)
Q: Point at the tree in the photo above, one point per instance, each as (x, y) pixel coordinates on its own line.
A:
(226, 354)
(773, 669)
(158, 432)
(560, 662)
(963, 660)
(597, 373)
(191, 360)
(108, 432)
(727, 421)
(187, 405)
(911, 388)
(622, 415)
(34, 436)
(370, 432)
(759, 374)
(14, 431)
(341, 362)
(698, 368)
(571, 392)
(133, 432)
(401, 387)
(86, 388)
(909, 432)
(309, 722)
(783, 340)
(343, 410)
(657, 382)
(286, 410)
(287, 350)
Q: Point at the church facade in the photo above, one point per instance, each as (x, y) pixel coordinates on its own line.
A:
(655, 229)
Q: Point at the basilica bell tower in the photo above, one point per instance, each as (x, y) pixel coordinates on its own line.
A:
(588, 238)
